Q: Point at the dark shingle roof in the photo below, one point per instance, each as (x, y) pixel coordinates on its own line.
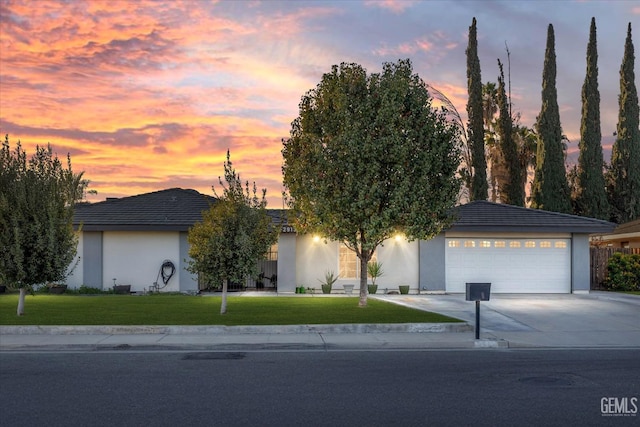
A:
(175, 209)
(486, 216)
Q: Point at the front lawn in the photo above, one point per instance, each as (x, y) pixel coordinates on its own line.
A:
(195, 310)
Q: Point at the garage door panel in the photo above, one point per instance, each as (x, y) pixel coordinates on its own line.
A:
(511, 265)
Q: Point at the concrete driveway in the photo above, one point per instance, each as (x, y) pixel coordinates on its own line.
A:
(598, 319)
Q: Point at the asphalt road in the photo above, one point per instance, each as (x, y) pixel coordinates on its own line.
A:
(309, 388)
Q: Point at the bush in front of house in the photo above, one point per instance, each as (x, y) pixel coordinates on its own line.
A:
(624, 272)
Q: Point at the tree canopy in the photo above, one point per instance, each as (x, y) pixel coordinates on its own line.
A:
(234, 235)
(511, 192)
(37, 199)
(550, 190)
(624, 173)
(478, 176)
(591, 197)
(368, 157)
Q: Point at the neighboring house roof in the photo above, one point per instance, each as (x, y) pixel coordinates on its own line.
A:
(484, 216)
(175, 209)
(627, 232)
(632, 227)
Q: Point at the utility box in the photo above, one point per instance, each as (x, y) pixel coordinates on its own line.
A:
(478, 291)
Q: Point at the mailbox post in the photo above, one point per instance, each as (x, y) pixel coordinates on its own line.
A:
(478, 292)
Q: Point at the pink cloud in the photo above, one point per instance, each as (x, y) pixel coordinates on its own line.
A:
(395, 6)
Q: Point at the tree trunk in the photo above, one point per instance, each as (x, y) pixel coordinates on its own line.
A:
(363, 281)
(23, 293)
(223, 305)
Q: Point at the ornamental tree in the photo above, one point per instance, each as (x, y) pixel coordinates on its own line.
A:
(624, 173)
(591, 198)
(37, 198)
(479, 186)
(550, 190)
(369, 157)
(234, 234)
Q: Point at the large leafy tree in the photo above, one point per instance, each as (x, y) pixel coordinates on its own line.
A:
(475, 112)
(37, 198)
(624, 173)
(591, 196)
(234, 234)
(511, 191)
(550, 190)
(369, 157)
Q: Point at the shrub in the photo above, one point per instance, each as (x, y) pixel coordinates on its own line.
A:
(624, 272)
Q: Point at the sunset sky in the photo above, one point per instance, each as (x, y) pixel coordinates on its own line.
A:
(149, 95)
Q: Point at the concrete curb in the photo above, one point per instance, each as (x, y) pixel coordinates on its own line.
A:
(219, 330)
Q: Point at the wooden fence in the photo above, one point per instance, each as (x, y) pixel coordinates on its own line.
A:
(599, 259)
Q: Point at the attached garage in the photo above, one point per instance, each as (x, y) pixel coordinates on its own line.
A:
(512, 265)
(517, 250)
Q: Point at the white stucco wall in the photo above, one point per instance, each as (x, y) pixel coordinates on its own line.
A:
(74, 278)
(400, 264)
(134, 258)
(314, 258)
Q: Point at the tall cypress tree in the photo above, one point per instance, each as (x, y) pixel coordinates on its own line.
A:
(479, 186)
(591, 198)
(512, 193)
(624, 174)
(550, 190)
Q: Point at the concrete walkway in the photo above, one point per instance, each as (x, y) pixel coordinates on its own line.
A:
(596, 320)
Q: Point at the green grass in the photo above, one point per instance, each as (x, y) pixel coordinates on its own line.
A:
(194, 310)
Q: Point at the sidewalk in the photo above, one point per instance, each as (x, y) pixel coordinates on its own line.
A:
(596, 320)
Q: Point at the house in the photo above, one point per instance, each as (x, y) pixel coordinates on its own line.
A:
(127, 240)
(625, 235)
(518, 250)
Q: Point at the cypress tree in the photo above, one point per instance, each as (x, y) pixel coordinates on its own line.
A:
(550, 190)
(479, 186)
(512, 193)
(591, 198)
(624, 173)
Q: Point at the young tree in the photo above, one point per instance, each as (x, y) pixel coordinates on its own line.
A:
(369, 157)
(235, 233)
(591, 196)
(37, 198)
(624, 173)
(550, 190)
(510, 191)
(479, 186)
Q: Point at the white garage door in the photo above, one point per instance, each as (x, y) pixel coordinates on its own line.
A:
(511, 265)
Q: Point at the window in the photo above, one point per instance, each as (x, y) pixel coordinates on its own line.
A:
(485, 244)
(272, 254)
(499, 244)
(514, 244)
(454, 244)
(349, 263)
(469, 244)
(561, 245)
(530, 244)
(545, 244)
